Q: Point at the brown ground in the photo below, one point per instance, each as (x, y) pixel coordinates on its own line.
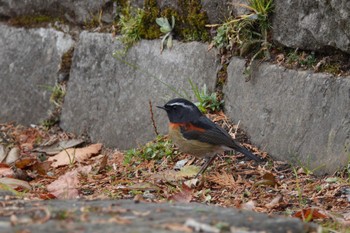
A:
(272, 187)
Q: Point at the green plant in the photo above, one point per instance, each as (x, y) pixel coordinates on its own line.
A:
(130, 24)
(303, 59)
(206, 101)
(308, 60)
(48, 123)
(301, 200)
(167, 29)
(57, 94)
(156, 149)
(247, 33)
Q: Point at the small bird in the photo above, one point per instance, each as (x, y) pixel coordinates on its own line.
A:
(193, 133)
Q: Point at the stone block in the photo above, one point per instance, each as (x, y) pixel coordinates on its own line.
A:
(78, 11)
(312, 24)
(30, 60)
(296, 116)
(108, 97)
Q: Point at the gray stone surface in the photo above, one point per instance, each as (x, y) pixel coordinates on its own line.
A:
(294, 115)
(77, 11)
(29, 64)
(108, 97)
(129, 217)
(312, 24)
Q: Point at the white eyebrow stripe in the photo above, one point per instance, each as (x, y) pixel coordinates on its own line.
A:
(180, 104)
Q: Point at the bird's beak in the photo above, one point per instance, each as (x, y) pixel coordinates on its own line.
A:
(161, 107)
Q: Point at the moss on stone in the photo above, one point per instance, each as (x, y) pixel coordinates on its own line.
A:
(149, 29)
(193, 21)
(332, 68)
(189, 17)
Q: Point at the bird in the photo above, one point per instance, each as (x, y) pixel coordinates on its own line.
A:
(195, 134)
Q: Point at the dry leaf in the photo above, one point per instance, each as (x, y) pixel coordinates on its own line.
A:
(47, 196)
(183, 196)
(274, 202)
(42, 167)
(171, 175)
(250, 205)
(70, 156)
(3, 153)
(59, 146)
(6, 171)
(15, 183)
(25, 162)
(103, 164)
(268, 179)
(310, 214)
(65, 187)
(13, 155)
(142, 186)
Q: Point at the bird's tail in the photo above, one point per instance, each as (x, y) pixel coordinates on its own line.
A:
(248, 153)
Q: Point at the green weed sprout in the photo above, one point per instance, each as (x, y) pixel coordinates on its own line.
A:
(167, 29)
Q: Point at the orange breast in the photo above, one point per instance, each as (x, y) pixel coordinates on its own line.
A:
(193, 147)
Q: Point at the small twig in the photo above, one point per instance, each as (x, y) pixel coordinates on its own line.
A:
(236, 130)
(152, 117)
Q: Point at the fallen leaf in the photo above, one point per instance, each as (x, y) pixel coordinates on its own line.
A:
(142, 186)
(268, 179)
(183, 196)
(25, 162)
(188, 171)
(66, 186)
(15, 183)
(332, 179)
(59, 146)
(309, 214)
(250, 205)
(42, 167)
(6, 170)
(192, 182)
(47, 196)
(346, 216)
(3, 153)
(13, 155)
(180, 164)
(274, 202)
(103, 164)
(172, 175)
(70, 156)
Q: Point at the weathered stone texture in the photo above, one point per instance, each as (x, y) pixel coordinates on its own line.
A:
(78, 11)
(294, 115)
(312, 24)
(108, 97)
(29, 65)
(158, 218)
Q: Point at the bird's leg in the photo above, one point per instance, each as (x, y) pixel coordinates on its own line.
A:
(208, 161)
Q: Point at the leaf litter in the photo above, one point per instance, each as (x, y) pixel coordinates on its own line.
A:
(91, 171)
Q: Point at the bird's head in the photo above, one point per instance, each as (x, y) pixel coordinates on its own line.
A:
(181, 110)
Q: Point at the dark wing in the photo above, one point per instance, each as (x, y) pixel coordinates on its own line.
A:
(214, 134)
